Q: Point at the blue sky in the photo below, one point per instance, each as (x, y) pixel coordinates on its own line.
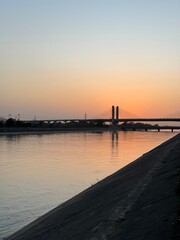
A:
(109, 47)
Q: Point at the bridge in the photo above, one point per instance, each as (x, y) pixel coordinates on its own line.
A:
(113, 122)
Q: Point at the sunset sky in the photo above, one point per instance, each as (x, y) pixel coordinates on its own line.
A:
(62, 58)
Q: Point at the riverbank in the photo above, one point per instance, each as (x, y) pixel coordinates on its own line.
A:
(22, 130)
(139, 201)
(31, 131)
(28, 131)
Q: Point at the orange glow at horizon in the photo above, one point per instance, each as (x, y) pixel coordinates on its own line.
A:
(73, 94)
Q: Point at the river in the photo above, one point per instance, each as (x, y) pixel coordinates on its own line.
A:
(40, 171)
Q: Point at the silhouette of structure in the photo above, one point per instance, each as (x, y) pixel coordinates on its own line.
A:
(112, 115)
(117, 113)
(115, 119)
(114, 122)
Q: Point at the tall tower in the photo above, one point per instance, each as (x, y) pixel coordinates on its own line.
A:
(117, 113)
(112, 115)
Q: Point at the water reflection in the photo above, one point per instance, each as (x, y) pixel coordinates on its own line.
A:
(38, 172)
(13, 138)
(115, 142)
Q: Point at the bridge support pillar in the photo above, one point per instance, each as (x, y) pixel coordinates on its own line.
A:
(112, 115)
(117, 114)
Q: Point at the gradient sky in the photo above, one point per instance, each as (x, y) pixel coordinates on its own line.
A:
(62, 58)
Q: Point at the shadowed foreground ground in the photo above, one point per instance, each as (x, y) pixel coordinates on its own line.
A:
(139, 201)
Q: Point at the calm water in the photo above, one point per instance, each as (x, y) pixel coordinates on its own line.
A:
(38, 172)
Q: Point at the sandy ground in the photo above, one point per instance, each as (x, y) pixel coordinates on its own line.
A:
(139, 201)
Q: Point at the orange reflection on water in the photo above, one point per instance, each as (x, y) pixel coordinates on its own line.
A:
(38, 172)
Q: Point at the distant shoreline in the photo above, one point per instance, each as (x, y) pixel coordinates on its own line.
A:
(17, 131)
(37, 130)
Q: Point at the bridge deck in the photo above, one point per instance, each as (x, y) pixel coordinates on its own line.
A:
(110, 120)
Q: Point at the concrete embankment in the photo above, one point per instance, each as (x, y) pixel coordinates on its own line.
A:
(140, 201)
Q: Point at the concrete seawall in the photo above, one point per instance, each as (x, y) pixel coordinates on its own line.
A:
(140, 201)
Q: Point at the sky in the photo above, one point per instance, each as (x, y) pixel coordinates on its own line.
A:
(64, 58)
